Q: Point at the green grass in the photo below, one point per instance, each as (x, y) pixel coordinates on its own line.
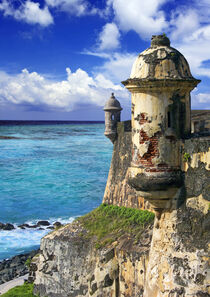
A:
(26, 290)
(108, 222)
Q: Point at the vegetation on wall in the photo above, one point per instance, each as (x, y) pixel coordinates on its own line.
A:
(186, 157)
(108, 222)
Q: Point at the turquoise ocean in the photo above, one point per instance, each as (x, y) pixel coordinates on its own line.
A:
(53, 171)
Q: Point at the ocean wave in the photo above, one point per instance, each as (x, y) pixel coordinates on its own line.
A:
(17, 241)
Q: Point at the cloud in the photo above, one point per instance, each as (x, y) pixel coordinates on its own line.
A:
(187, 26)
(144, 17)
(29, 12)
(118, 66)
(73, 7)
(36, 90)
(190, 33)
(200, 100)
(184, 23)
(196, 53)
(109, 37)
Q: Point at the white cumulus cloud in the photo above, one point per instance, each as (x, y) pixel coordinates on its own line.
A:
(184, 23)
(201, 101)
(109, 37)
(144, 17)
(73, 7)
(118, 66)
(78, 88)
(190, 33)
(29, 12)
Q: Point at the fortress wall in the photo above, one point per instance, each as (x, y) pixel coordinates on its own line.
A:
(195, 165)
(179, 254)
(170, 260)
(117, 191)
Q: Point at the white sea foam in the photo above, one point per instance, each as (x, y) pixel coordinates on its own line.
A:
(50, 220)
(62, 221)
(19, 241)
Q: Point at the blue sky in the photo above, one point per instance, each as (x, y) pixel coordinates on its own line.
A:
(61, 59)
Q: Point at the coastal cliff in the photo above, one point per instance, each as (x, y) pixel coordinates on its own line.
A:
(75, 261)
(169, 259)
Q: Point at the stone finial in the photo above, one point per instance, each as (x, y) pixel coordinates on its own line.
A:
(161, 62)
(158, 40)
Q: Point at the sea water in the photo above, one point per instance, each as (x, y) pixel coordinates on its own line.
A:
(53, 172)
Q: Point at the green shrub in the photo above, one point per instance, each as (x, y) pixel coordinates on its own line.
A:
(26, 290)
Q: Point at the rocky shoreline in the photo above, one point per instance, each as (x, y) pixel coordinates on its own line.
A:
(15, 266)
(39, 225)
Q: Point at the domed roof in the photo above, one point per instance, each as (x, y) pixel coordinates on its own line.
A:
(160, 61)
(112, 104)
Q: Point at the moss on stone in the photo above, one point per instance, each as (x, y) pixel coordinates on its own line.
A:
(109, 222)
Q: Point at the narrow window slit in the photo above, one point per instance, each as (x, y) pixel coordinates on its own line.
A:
(169, 119)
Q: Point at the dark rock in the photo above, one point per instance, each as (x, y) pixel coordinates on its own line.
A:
(8, 226)
(199, 279)
(23, 226)
(107, 281)
(94, 288)
(108, 256)
(14, 267)
(1, 225)
(43, 223)
(50, 227)
(57, 224)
